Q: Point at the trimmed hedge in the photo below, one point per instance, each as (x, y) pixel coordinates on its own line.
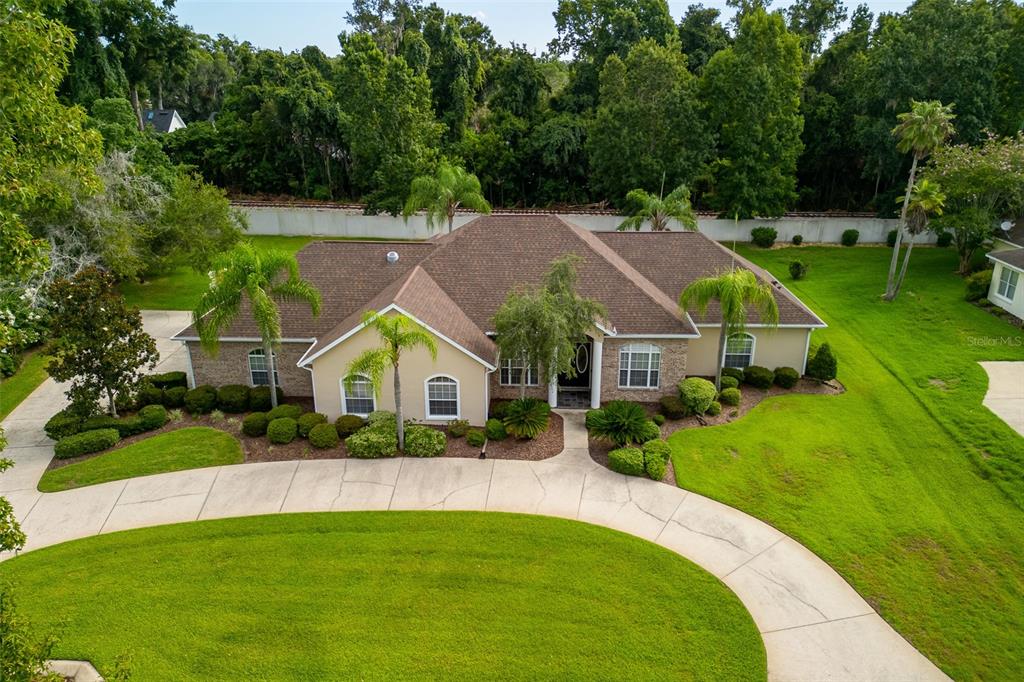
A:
(371, 443)
(499, 408)
(457, 428)
(233, 398)
(798, 239)
(149, 395)
(658, 419)
(476, 438)
(714, 409)
(259, 398)
(657, 449)
(730, 397)
(786, 377)
(324, 436)
(168, 380)
(629, 461)
(153, 417)
(823, 366)
(347, 424)
(697, 394)
(86, 443)
(255, 424)
(282, 430)
(308, 421)
(764, 236)
(100, 421)
(977, 285)
(729, 382)
(130, 426)
(734, 372)
(201, 400)
(281, 411)
(758, 377)
(797, 269)
(423, 441)
(175, 396)
(495, 429)
(850, 237)
(673, 407)
(62, 425)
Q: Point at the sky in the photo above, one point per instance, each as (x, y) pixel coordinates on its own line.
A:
(273, 24)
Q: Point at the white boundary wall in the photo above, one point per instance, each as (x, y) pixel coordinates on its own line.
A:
(335, 222)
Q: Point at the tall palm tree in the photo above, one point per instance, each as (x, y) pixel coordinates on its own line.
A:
(398, 333)
(921, 130)
(265, 278)
(660, 210)
(926, 199)
(443, 193)
(735, 291)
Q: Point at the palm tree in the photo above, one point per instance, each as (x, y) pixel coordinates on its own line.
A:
(399, 333)
(265, 278)
(921, 130)
(926, 199)
(442, 194)
(735, 291)
(660, 210)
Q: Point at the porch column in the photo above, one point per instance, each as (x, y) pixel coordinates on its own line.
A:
(595, 373)
(553, 391)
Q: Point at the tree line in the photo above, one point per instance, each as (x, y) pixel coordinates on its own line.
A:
(775, 110)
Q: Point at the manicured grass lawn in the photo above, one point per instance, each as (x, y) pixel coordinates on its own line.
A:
(388, 595)
(20, 385)
(187, 448)
(905, 484)
(181, 288)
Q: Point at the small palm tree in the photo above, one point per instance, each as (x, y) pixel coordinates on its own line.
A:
(660, 210)
(265, 278)
(398, 333)
(442, 194)
(735, 291)
(926, 199)
(922, 130)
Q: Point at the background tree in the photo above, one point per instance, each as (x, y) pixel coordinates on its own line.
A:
(256, 281)
(12, 538)
(443, 193)
(921, 131)
(659, 211)
(813, 20)
(398, 334)
(926, 200)
(735, 291)
(99, 344)
(701, 35)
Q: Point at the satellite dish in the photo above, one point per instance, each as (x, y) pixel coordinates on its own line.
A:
(1006, 226)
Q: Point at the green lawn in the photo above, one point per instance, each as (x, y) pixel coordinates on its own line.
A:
(388, 595)
(20, 385)
(905, 484)
(187, 448)
(181, 288)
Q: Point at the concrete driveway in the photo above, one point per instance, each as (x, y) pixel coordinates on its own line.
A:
(1005, 395)
(814, 625)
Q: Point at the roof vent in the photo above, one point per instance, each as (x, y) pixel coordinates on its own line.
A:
(392, 257)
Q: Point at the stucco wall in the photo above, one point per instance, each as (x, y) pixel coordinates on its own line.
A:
(231, 366)
(1014, 306)
(784, 347)
(416, 367)
(674, 364)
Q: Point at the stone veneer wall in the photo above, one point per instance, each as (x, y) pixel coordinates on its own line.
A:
(231, 366)
(673, 370)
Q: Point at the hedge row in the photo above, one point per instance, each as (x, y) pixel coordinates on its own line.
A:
(65, 426)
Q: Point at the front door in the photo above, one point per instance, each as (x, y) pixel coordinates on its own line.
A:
(575, 391)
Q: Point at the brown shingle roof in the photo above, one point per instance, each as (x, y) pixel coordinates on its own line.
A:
(1012, 257)
(1015, 235)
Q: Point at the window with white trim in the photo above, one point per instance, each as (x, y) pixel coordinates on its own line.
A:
(639, 366)
(1007, 283)
(739, 351)
(442, 398)
(511, 373)
(358, 396)
(258, 374)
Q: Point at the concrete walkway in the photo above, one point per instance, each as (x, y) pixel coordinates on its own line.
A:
(1005, 395)
(814, 625)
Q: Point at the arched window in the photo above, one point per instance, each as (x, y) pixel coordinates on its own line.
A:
(258, 375)
(739, 351)
(358, 396)
(639, 366)
(442, 397)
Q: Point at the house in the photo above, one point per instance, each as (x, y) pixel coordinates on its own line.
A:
(162, 120)
(453, 285)
(1007, 257)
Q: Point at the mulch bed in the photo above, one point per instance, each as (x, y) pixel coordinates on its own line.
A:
(547, 444)
(751, 396)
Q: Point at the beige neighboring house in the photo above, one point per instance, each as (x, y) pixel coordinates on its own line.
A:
(453, 285)
(1007, 256)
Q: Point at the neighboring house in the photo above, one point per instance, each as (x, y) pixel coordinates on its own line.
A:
(453, 285)
(162, 120)
(1007, 288)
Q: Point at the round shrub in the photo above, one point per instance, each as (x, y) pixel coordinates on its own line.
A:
(714, 409)
(763, 236)
(255, 424)
(499, 409)
(758, 377)
(697, 394)
(849, 237)
(823, 366)
(347, 424)
(629, 461)
(201, 400)
(149, 395)
(457, 428)
(730, 397)
(798, 239)
(672, 407)
(308, 421)
(734, 372)
(259, 398)
(657, 449)
(423, 441)
(85, 443)
(495, 429)
(658, 419)
(153, 417)
(786, 377)
(655, 469)
(371, 443)
(527, 418)
(324, 436)
(476, 438)
(233, 398)
(281, 411)
(168, 380)
(977, 285)
(890, 239)
(943, 239)
(100, 421)
(797, 269)
(174, 396)
(130, 426)
(729, 382)
(282, 430)
(62, 425)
